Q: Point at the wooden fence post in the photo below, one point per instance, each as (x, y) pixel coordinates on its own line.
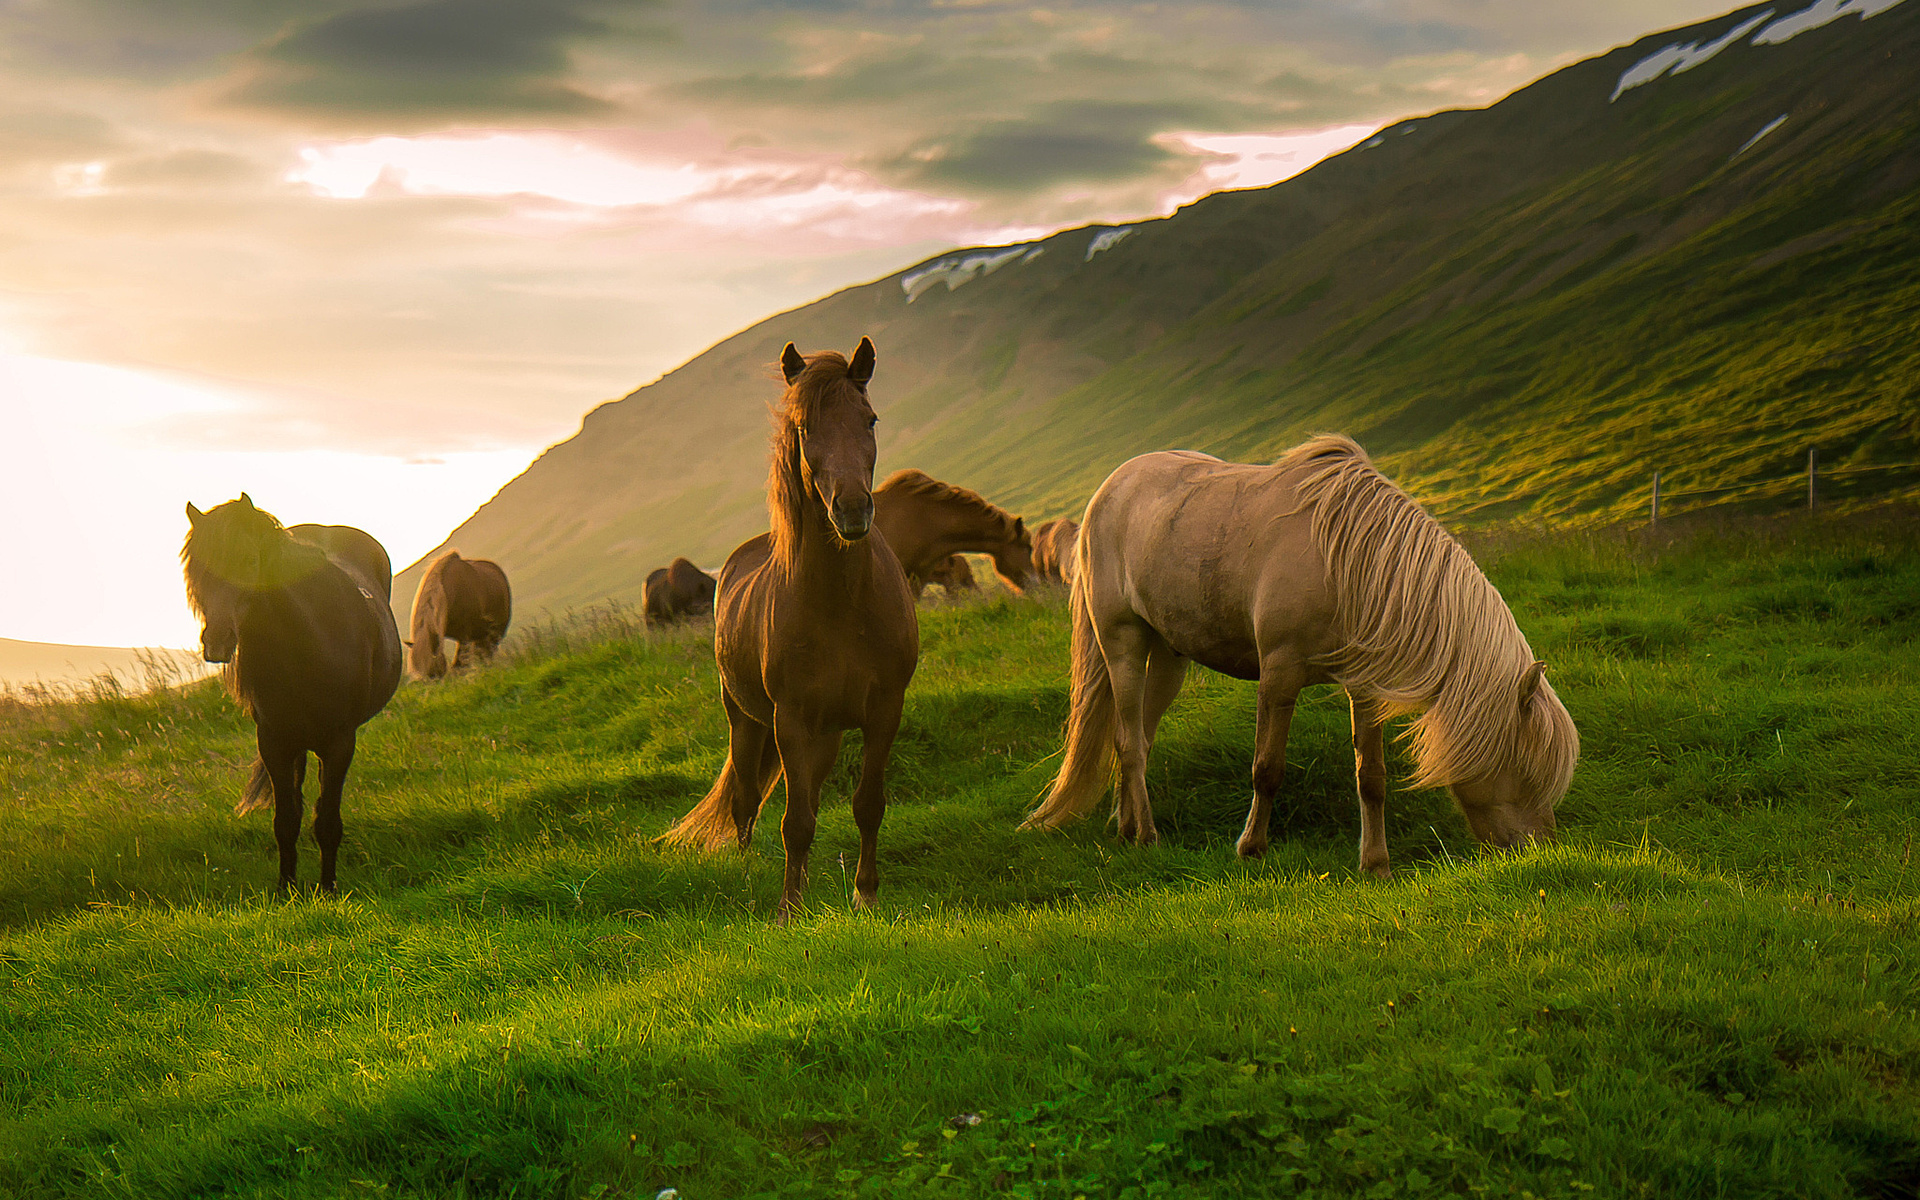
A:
(1656, 498)
(1813, 459)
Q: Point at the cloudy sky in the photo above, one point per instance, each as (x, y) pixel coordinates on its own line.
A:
(365, 258)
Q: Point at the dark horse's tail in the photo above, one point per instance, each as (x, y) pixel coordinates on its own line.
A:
(1086, 767)
(259, 792)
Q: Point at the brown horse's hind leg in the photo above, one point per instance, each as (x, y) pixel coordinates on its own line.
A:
(1370, 777)
(870, 802)
(751, 755)
(334, 761)
(287, 767)
(463, 657)
(1127, 646)
(1273, 720)
(806, 755)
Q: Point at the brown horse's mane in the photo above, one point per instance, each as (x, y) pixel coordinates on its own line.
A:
(1424, 629)
(910, 481)
(235, 547)
(786, 482)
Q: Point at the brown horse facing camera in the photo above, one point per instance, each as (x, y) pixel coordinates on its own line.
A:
(464, 600)
(814, 631)
(1053, 545)
(678, 590)
(925, 521)
(312, 655)
(1315, 569)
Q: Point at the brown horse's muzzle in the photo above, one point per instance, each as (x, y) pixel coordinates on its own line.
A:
(216, 649)
(852, 516)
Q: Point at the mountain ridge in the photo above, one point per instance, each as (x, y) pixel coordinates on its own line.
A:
(1517, 308)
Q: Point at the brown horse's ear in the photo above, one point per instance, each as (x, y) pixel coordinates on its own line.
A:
(246, 499)
(1531, 684)
(861, 368)
(193, 514)
(791, 364)
(1019, 527)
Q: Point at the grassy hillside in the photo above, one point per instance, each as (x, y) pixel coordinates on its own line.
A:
(1524, 311)
(1709, 987)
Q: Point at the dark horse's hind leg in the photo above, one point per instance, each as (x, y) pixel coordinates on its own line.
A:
(286, 763)
(334, 761)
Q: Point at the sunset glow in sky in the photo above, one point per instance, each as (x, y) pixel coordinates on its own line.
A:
(365, 259)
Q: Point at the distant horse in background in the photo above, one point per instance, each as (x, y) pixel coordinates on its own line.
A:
(312, 655)
(1053, 545)
(1315, 569)
(678, 590)
(353, 547)
(814, 630)
(955, 574)
(924, 520)
(465, 600)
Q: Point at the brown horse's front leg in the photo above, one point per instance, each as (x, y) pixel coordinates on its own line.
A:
(870, 802)
(806, 756)
(287, 767)
(327, 827)
(1370, 780)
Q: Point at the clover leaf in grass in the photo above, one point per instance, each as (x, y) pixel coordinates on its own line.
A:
(1503, 1121)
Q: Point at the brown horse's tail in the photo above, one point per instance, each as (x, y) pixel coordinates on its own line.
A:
(259, 790)
(1086, 767)
(709, 824)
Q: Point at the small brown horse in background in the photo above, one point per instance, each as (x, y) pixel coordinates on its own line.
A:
(678, 590)
(925, 521)
(955, 574)
(1316, 569)
(356, 549)
(464, 600)
(312, 655)
(1053, 545)
(814, 630)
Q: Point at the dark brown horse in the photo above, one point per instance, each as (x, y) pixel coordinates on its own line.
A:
(354, 548)
(464, 600)
(678, 590)
(312, 655)
(814, 630)
(1053, 545)
(925, 520)
(955, 574)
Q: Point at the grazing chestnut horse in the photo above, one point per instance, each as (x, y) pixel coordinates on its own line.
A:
(925, 520)
(355, 548)
(954, 574)
(465, 600)
(814, 630)
(678, 590)
(1053, 550)
(312, 655)
(1315, 569)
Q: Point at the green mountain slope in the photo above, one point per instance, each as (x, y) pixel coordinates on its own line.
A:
(1523, 311)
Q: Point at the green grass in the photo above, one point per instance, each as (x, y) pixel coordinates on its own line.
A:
(1707, 988)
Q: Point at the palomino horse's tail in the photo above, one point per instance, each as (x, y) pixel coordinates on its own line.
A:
(1086, 767)
(259, 791)
(709, 824)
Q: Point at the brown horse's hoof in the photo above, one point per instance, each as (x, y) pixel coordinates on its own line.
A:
(1379, 871)
(1248, 848)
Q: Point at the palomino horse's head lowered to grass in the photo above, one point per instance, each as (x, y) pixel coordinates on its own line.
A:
(831, 433)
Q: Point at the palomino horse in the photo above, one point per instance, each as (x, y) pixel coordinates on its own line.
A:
(464, 600)
(814, 630)
(925, 520)
(678, 590)
(312, 655)
(954, 574)
(1053, 545)
(1313, 570)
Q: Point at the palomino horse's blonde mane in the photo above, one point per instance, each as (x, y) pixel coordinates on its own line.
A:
(912, 482)
(429, 615)
(1425, 630)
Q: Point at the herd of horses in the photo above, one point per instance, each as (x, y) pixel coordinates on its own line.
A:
(1314, 569)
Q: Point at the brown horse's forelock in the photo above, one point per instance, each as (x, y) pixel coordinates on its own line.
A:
(825, 375)
(236, 548)
(1425, 630)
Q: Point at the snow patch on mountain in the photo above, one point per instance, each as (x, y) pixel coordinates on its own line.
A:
(1677, 58)
(958, 269)
(1766, 129)
(1107, 240)
(1825, 12)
